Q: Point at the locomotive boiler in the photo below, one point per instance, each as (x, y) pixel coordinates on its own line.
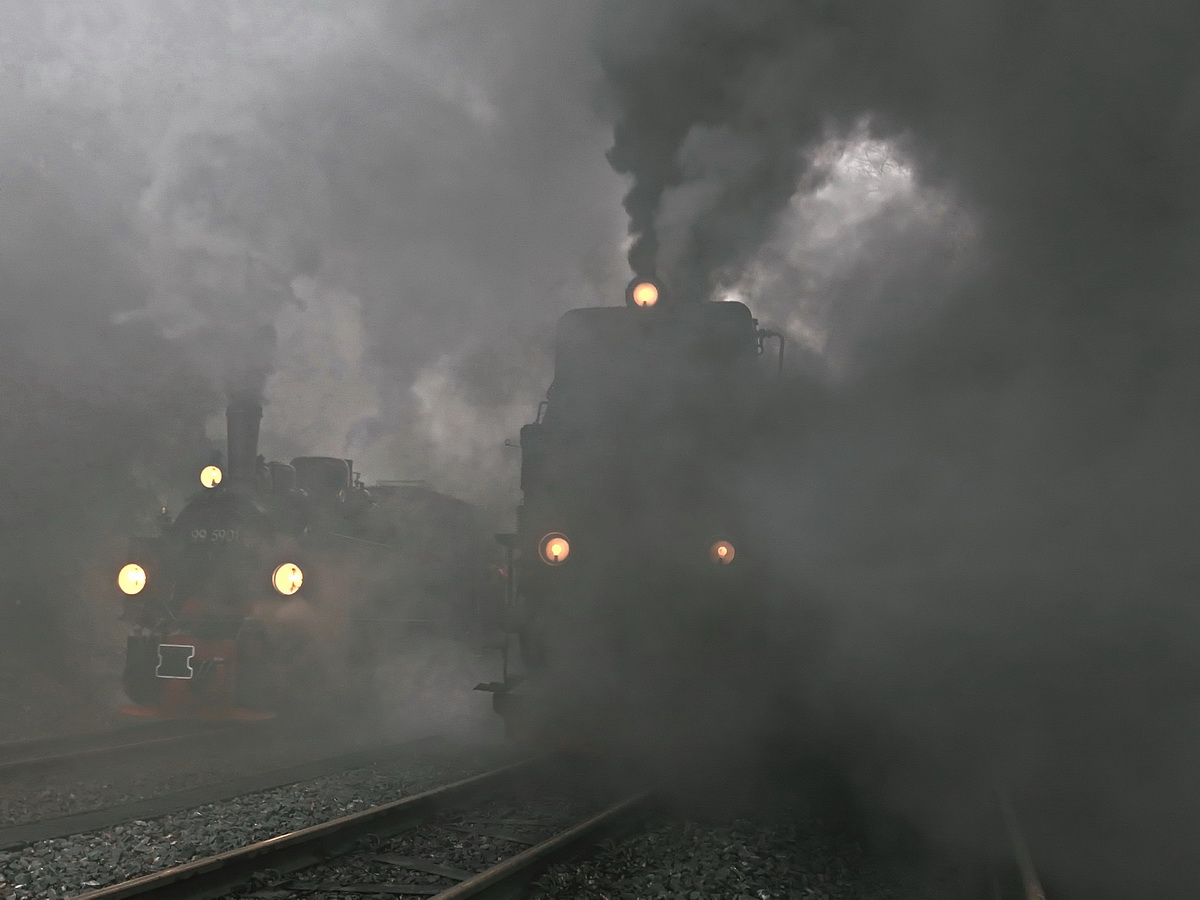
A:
(630, 564)
(280, 586)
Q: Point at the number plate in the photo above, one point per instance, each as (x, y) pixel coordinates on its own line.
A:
(215, 535)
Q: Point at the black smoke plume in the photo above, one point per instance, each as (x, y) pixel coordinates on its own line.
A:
(698, 115)
(995, 493)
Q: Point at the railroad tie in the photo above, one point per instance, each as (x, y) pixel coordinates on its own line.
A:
(499, 834)
(416, 864)
(333, 887)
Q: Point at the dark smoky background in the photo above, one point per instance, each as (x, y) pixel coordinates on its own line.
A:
(985, 477)
(974, 221)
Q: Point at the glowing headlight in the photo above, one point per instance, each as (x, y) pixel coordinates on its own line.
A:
(287, 579)
(722, 552)
(131, 579)
(210, 476)
(554, 549)
(643, 293)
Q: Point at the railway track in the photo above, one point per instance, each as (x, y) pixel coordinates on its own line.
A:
(485, 836)
(421, 837)
(14, 836)
(23, 757)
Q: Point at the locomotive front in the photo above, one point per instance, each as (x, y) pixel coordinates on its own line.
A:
(629, 561)
(282, 587)
(191, 590)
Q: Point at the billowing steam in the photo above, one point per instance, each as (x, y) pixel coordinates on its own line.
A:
(309, 203)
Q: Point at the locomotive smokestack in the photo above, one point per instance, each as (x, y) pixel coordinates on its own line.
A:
(242, 417)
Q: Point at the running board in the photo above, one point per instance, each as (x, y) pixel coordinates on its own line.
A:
(499, 687)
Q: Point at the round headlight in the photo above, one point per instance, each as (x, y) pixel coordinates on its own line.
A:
(643, 293)
(287, 579)
(131, 579)
(722, 552)
(210, 476)
(554, 549)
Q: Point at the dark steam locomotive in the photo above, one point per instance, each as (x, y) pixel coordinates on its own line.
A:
(630, 557)
(279, 586)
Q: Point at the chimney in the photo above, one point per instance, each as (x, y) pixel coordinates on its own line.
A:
(242, 417)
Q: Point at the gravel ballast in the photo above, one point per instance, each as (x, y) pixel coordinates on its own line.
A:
(51, 870)
(437, 855)
(205, 759)
(737, 860)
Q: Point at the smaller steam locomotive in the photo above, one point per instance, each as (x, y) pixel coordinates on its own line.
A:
(630, 559)
(279, 587)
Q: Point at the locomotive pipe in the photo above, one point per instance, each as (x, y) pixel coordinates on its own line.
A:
(242, 418)
(765, 334)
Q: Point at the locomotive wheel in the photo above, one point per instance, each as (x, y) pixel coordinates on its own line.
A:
(533, 647)
(359, 694)
(321, 683)
(141, 660)
(257, 683)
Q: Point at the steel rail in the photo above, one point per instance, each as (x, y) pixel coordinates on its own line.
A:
(510, 877)
(21, 834)
(216, 876)
(28, 756)
(62, 743)
(1031, 884)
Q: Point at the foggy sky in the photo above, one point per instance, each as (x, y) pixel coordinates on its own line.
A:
(369, 212)
(430, 167)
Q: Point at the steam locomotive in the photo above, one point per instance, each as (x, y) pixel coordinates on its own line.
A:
(630, 560)
(279, 587)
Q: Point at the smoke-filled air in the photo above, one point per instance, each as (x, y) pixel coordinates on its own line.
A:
(975, 484)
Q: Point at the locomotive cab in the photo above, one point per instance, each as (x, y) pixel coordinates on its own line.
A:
(617, 366)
